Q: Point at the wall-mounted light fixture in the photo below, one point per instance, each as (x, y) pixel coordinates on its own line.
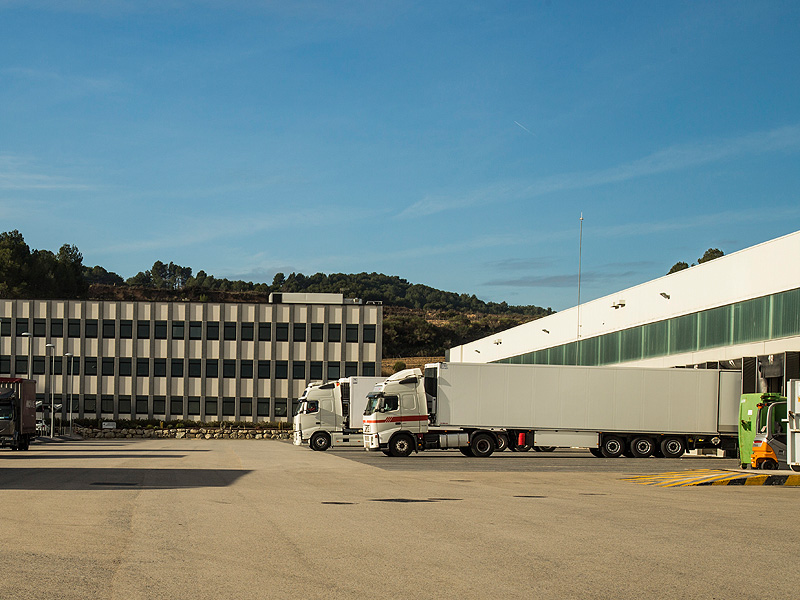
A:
(618, 304)
(664, 295)
(545, 330)
(497, 342)
(478, 351)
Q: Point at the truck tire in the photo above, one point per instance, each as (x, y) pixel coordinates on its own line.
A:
(401, 445)
(673, 447)
(642, 447)
(482, 445)
(547, 448)
(795, 468)
(596, 452)
(320, 441)
(612, 446)
(502, 442)
(466, 451)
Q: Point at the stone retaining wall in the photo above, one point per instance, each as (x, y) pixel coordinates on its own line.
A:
(187, 433)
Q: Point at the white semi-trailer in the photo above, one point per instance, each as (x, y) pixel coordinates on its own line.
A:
(329, 414)
(478, 408)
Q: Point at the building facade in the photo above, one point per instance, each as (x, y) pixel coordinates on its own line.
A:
(186, 360)
(740, 311)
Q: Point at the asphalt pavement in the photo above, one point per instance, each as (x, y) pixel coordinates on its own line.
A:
(128, 519)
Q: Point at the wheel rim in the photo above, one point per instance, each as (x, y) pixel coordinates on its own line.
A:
(483, 445)
(673, 447)
(613, 446)
(402, 445)
(644, 446)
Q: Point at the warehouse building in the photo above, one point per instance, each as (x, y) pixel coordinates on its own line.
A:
(740, 311)
(187, 360)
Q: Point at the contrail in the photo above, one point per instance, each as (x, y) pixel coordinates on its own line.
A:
(520, 125)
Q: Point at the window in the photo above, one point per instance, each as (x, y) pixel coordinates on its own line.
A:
(90, 328)
(229, 330)
(247, 331)
(176, 406)
(264, 332)
(108, 366)
(334, 333)
(142, 368)
(315, 372)
(39, 328)
(38, 365)
(281, 369)
(90, 365)
(125, 367)
(229, 368)
(73, 365)
(109, 329)
(178, 330)
(391, 403)
(282, 332)
(89, 404)
(262, 407)
(106, 403)
(212, 367)
(177, 367)
(159, 367)
(5, 365)
(246, 407)
(298, 370)
(211, 407)
(74, 328)
(368, 369)
(369, 334)
(22, 326)
(228, 407)
(57, 365)
(350, 369)
(333, 371)
(246, 369)
(124, 405)
(195, 367)
(299, 332)
(351, 333)
(126, 330)
(193, 409)
(317, 332)
(263, 369)
(5, 328)
(195, 330)
(141, 405)
(280, 407)
(159, 405)
(142, 330)
(212, 332)
(57, 328)
(160, 332)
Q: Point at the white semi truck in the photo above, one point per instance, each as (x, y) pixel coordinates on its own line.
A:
(478, 408)
(329, 414)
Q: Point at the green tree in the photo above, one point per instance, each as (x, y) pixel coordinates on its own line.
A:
(710, 254)
(678, 266)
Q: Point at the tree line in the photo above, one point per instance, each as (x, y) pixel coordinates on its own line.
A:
(26, 273)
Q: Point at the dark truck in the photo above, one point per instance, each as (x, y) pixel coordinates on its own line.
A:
(17, 412)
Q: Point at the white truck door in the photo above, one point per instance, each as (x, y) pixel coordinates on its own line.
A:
(793, 428)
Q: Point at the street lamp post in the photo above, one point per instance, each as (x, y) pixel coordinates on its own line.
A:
(68, 390)
(51, 349)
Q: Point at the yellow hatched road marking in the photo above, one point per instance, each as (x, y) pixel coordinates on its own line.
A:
(713, 477)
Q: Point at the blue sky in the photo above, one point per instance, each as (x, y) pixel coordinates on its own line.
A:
(454, 144)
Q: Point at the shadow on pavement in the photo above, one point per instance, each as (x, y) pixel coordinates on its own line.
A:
(110, 479)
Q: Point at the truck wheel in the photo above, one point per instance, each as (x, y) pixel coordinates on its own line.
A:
(401, 445)
(547, 448)
(673, 447)
(596, 452)
(502, 442)
(642, 447)
(466, 451)
(612, 446)
(482, 445)
(795, 468)
(523, 448)
(320, 441)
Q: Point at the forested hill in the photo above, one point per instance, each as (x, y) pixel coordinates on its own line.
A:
(419, 320)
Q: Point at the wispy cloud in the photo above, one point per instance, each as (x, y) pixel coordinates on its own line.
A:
(17, 173)
(673, 158)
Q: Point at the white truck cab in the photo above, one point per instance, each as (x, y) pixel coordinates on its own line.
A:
(396, 413)
(329, 414)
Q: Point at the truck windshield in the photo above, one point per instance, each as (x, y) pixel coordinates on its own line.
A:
(6, 410)
(373, 403)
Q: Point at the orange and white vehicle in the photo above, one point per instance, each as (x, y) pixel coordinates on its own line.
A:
(479, 408)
